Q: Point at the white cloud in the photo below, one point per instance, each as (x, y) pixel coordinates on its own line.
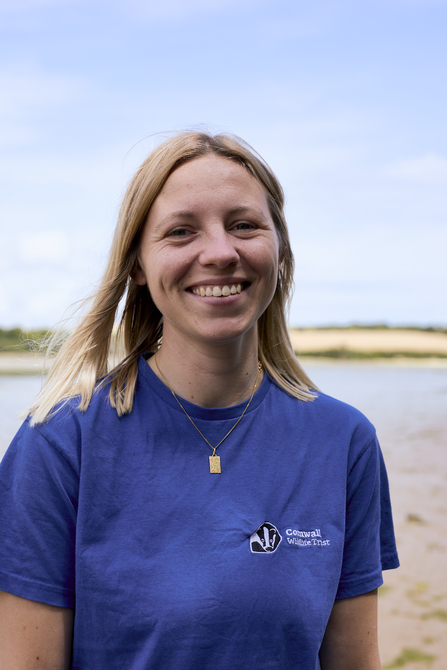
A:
(421, 3)
(43, 246)
(30, 95)
(37, 13)
(153, 7)
(179, 9)
(24, 83)
(19, 6)
(428, 168)
(371, 275)
(52, 170)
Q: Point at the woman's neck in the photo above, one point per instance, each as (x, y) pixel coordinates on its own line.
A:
(210, 376)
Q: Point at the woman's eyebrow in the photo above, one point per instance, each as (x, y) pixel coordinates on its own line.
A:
(188, 215)
(181, 215)
(245, 209)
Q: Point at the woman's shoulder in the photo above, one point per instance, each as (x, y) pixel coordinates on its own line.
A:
(326, 415)
(328, 404)
(343, 416)
(67, 422)
(71, 416)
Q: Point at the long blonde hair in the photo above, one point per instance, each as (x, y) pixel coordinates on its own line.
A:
(84, 357)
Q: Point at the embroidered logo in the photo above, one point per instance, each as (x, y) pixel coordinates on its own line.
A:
(265, 540)
(306, 538)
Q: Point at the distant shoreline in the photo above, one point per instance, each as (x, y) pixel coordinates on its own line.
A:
(23, 363)
(369, 343)
(397, 347)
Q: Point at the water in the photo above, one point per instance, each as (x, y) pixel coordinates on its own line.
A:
(16, 394)
(407, 405)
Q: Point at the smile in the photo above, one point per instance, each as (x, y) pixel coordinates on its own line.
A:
(217, 291)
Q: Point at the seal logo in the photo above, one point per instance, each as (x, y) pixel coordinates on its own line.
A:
(265, 540)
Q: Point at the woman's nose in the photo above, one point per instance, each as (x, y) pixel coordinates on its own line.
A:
(219, 249)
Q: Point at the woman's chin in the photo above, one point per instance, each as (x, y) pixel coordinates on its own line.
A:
(214, 334)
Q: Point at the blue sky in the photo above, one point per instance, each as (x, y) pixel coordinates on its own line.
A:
(345, 99)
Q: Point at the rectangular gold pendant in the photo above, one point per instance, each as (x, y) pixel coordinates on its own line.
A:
(215, 465)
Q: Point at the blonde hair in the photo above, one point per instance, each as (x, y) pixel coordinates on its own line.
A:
(84, 357)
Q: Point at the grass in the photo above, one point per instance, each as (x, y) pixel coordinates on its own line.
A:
(418, 589)
(436, 614)
(16, 339)
(383, 590)
(409, 656)
(415, 518)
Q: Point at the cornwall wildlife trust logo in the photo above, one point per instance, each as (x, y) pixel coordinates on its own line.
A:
(306, 538)
(265, 540)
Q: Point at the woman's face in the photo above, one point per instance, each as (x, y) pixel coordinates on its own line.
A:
(209, 252)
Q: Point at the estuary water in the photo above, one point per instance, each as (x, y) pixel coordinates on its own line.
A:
(408, 406)
(404, 403)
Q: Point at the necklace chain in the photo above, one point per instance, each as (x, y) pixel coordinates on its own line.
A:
(197, 428)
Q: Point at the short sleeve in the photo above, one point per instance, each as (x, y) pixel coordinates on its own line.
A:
(369, 544)
(38, 503)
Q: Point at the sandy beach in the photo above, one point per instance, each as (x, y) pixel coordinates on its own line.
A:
(411, 420)
(413, 600)
(23, 363)
(408, 406)
(369, 341)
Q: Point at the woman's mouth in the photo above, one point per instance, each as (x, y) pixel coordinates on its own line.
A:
(220, 290)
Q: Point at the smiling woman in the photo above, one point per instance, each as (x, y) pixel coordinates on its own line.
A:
(209, 256)
(120, 547)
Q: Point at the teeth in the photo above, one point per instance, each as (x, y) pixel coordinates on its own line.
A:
(217, 291)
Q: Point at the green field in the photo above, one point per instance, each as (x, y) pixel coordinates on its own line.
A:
(16, 339)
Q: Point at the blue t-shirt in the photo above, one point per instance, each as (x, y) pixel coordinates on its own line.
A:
(170, 567)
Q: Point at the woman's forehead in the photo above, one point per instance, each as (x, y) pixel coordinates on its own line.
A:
(211, 173)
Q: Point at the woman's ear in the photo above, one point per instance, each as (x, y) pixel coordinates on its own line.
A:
(138, 275)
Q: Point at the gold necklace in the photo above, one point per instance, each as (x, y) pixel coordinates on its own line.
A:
(214, 460)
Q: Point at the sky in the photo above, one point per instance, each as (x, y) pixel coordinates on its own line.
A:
(346, 100)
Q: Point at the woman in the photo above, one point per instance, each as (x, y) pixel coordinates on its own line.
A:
(201, 505)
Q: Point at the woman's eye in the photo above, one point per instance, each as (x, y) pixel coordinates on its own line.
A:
(178, 232)
(244, 225)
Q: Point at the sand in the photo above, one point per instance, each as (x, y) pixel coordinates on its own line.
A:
(413, 600)
(373, 340)
(408, 406)
(22, 362)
